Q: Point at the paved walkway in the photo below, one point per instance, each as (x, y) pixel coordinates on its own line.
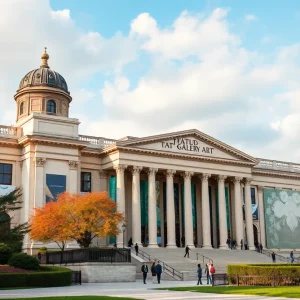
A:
(134, 289)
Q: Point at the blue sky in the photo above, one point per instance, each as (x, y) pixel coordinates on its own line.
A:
(228, 68)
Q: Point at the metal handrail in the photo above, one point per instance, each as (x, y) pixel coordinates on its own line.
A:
(143, 255)
(204, 257)
(279, 256)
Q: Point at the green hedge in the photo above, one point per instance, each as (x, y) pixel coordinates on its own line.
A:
(264, 274)
(45, 277)
(24, 261)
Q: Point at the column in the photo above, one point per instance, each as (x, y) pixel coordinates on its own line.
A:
(199, 218)
(248, 214)
(171, 239)
(214, 217)
(152, 219)
(73, 177)
(222, 212)
(188, 213)
(103, 180)
(161, 206)
(136, 205)
(120, 169)
(261, 216)
(205, 213)
(238, 204)
(39, 196)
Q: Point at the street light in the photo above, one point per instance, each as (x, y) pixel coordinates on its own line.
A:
(123, 229)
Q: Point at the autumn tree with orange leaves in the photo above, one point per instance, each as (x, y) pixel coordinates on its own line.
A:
(76, 217)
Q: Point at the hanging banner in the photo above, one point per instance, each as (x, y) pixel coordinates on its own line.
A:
(113, 196)
(55, 184)
(255, 212)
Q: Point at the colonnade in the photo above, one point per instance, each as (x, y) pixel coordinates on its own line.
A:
(188, 217)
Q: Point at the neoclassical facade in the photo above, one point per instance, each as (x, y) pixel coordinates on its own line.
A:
(173, 187)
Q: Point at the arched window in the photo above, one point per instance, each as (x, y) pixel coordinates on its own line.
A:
(22, 108)
(51, 107)
(4, 223)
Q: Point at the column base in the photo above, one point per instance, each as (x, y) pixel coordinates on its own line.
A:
(171, 246)
(251, 248)
(207, 247)
(153, 246)
(224, 247)
(191, 246)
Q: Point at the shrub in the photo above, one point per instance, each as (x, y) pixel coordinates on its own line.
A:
(24, 261)
(264, 274)
(5, 253)
(45, 277)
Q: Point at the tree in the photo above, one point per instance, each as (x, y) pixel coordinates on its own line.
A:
(76, 217)
(12, 236)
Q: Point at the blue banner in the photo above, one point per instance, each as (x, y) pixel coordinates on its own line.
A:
(55, 184)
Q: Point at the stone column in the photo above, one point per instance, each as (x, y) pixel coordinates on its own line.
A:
(238, 204)
(206, 237)
(214, 217)
(222, 212)
(262, 226)
(136, 205)
(152, 226)
(73, 177)
(188, 213)
(199, 218)
(103, 180)
(248, 214)
(161, 206)
(120, 169)
(39, 195)
(171, 239)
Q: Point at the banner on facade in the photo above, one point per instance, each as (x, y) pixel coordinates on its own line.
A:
(255, 212)
(282, 218)
(6, 189)
(55, 184)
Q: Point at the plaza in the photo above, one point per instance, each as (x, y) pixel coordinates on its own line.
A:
(172, 187)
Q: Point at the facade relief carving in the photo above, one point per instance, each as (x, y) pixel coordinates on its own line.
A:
(40, 161)
(73, 164)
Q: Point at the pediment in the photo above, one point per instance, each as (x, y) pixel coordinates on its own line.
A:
(190, 142)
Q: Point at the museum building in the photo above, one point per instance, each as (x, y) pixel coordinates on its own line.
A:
(169, 186)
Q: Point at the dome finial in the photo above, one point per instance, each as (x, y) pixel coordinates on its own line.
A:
(45, 58)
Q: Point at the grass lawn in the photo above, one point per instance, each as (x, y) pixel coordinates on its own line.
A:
(288, 292)
(75, 298)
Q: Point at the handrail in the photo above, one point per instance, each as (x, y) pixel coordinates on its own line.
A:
(279, 256)
(143, 255)
(204, 257)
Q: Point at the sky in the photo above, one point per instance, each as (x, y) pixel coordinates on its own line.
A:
(230, 69)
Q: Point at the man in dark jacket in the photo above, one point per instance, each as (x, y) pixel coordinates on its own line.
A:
(158, 270)
(145, 271)
(187, 251)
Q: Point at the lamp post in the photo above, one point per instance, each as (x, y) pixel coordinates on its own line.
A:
(123, 229)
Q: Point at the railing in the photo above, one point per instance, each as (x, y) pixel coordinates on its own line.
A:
(173, 272)
(8, 130)
(280, 257)
(143, 255)
(284, 280)
(204, 258)
(219, 279)
(98, 141)
(87, 255)
(278, 165)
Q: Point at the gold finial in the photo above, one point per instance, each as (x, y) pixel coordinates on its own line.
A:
(45, 58)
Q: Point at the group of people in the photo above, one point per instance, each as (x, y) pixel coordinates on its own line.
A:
(209, 271)
(156, 270)
(292, 258)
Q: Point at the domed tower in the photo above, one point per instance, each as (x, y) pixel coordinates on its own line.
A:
(43, 91)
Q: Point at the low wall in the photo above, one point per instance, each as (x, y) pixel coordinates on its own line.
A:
(93, 272)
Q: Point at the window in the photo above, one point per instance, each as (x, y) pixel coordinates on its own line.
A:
(5, 174)
(253, 196)
(51, 107)
(86, 182)
(22, 108)
(4, 223)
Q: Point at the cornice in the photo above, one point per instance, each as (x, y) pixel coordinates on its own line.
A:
(174, 155)
(275, 174)
(10, 143)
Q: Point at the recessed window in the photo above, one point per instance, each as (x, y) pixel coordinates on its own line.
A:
(5, 174)
(86, 182)
(253, 201)
(22, 108)
(51, 107)
(4, 223)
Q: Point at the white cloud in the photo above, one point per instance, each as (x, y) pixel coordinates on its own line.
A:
(250, 17)
(61, 15)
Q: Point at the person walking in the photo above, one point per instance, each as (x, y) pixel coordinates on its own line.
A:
(206, 271)
(187, 251)
(130, 242)
(145, 271)
(292, 257)
(241, 244)
(136, 247)
(273, 257)
(212, 271)
(199, 272)
(261, 248)
(158, 270)
(153, 272)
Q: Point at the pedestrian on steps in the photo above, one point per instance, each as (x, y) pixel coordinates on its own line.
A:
(273, 257)
(292, 257)
(153, 272)
(136, 247)
(212, 271)
(187, 251)
(158, 270)
(199, 272)
(207, 273)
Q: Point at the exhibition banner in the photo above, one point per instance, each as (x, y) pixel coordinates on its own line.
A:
(55, 185)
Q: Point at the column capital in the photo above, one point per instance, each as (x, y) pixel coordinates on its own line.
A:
(236, 179)
(120, 168)
(136, 170)
(152, 171)
(170, 173)
(221, 178)
(247, 180)
(260, 188)
(40, 161)
(73, 164)
(204, 176)
(21, 165)
(103, 174)
(187, 175)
